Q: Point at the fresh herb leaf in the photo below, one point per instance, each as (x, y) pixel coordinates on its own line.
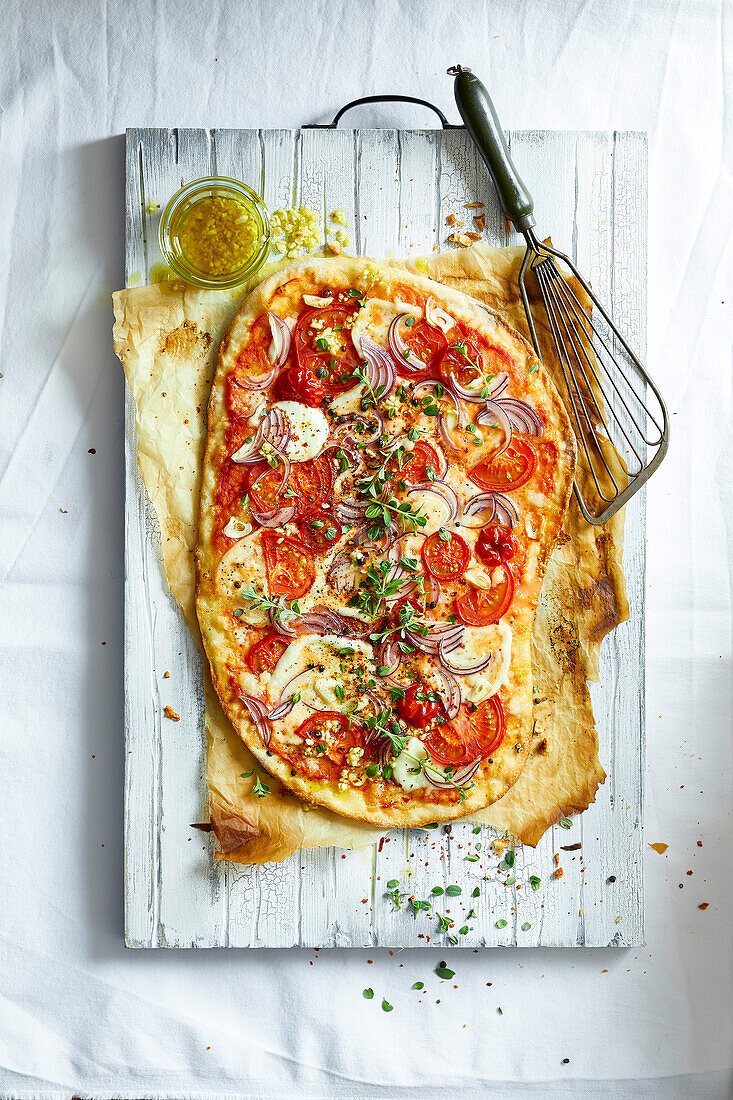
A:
(260, 789)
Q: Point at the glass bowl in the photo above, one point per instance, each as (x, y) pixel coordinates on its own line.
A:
(215, 232)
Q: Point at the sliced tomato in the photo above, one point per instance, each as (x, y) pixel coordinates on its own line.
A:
(463, 361)
(333, 366)
(451, 744)
(481, 607)
(301, 383)
(422, 459)
(290, 570)
(237, 397)
(311, 483)
(320, 532)
(496, 544)
(233, 484)
(447, 560)
(264, 655)
(507, 471)
(333, 735)
(487, 724)
(418, 707)
(265, 485)
(427, 343)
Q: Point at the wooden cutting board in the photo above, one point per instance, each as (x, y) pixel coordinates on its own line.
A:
(396, 188)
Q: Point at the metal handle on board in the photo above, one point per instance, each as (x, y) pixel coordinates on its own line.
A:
(382, 99)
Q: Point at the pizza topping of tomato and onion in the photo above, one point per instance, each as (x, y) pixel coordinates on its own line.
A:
(375, 448)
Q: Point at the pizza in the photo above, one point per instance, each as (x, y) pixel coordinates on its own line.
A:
(387, 467)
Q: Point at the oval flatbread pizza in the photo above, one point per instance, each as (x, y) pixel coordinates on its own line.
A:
(387, 467)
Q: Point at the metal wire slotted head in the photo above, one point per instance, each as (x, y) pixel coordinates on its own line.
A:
(607, 392)
(617, 412)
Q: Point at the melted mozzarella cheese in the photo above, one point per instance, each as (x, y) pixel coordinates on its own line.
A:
(376, 317)
(243, 565)
(324, 654)
(309, 430)
(477, 642)
(237, 529)
(404, 771)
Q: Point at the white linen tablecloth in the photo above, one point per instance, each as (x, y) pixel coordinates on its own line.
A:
(78, 1013)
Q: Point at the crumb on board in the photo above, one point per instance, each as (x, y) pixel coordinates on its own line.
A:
(480, 221)
(659, 847)
(166, 675)
(473, 236)
(474, 206)
(453, 219)
(461, 239)
(703, 905)
(170, 713)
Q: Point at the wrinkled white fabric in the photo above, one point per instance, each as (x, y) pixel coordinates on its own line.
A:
(78, 1013)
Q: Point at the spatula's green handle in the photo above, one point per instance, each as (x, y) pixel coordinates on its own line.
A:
(477, 111)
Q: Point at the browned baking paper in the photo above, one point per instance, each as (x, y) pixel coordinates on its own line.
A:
(166, 336)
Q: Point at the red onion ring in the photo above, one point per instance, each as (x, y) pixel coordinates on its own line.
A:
(494, 412)
(381, 544)
(482, 502)
(457, 780)
(452, 691)
(506, 512)
(522, 416)
(430, 384)
(350, 510)
(499, 504)
(276, 519)
(281, 338)
(321, 620)
(258, 383)
(449, 634)
(461, 670)
(445, 492)
(388, 656)
(345, 425)
(405, 359)
(381, 373)
(282, 710)
(343, 573)
(258, 714)
(274, 429)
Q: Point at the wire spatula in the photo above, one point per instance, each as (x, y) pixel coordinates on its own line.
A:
(607, 388)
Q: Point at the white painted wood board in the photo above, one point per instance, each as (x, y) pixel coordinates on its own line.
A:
(396, 187)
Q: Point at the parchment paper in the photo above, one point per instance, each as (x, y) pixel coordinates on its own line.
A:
(166, 336)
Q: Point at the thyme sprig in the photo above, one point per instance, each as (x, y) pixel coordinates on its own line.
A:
(278, 606)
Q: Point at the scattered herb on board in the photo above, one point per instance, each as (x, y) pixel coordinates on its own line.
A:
(386, 1006)
(443, 972)
(368, 994)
